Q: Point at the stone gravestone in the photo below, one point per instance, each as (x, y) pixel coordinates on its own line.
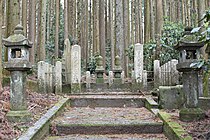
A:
(88, 79)
(67, 57)
(75, 69)
(58, 77)
(138, 62)
(111, 77)
(41, 77)
(156, 73)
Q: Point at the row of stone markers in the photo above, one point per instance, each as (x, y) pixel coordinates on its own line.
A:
(49, 77)
(166, 75)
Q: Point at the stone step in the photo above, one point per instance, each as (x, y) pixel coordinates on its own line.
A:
(107, 101)
(100, 121)
(110, 137)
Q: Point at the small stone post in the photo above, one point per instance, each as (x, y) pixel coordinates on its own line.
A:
(88, 79)
(18, 64)
(174, 73)
(111, 77)
(138, 62)
(117, 71)
(76, 69)
(157, 73)
(145, 79)
(58, 77)
(99, 70)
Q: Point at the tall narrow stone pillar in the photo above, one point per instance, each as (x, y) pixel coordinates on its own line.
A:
(157, 73)
(58, 77)
(138, 62)
(75, 69)
(174, 73)
(41, 76)
(88, 79)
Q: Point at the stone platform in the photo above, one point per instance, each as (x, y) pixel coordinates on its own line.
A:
(110, 137)
(101, 121)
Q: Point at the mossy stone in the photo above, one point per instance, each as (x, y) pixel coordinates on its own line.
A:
(191, 114)
(19, 116)
(76, 88)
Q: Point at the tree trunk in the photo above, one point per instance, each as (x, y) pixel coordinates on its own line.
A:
(95, 27)
(120, 32)
(57, 18)
(201, 11)
(137, 11)
(159, 26)
(152, 26)
(1, 23)
(140, 23)
(65, 19)
(102, 31)
(183, 13)
(13, 19)
(24, 16)
(147, 22)
(32, 29)
(132, 15)
(127, 32)
(173, 11)
(111, 20)
(188, 13)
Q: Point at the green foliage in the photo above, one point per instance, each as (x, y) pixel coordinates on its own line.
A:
(172, 32)
(204, 35)
(130, 52)
(92, 63)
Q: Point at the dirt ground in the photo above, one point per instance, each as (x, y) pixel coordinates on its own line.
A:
(199, 130)
(38, 104)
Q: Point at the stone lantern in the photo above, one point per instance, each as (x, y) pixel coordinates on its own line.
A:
(117, 71)
(18, 64)
(189, 49)
(99, 70)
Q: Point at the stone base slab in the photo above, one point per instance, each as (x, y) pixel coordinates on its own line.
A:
(76, 88)
(191, 114)
(19, 116)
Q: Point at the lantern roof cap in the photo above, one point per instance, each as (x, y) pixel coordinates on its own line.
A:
(17, 39)
(189, 41)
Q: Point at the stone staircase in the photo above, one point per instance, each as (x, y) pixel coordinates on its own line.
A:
(107, 116)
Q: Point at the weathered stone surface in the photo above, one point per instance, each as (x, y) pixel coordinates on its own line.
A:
(58, 77)
(171, 97)
(191, 114)
(41, 76)
(174, 73)
(173, 130)
(99, 70)
(190, 88)
(67, 57)
(138, 62)
(18, 116)
(41, 128)
(88, 79)
(87, 120)
(157, 73)
(76, 69)
(111, 77)
(145, 79)
(18, 94)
